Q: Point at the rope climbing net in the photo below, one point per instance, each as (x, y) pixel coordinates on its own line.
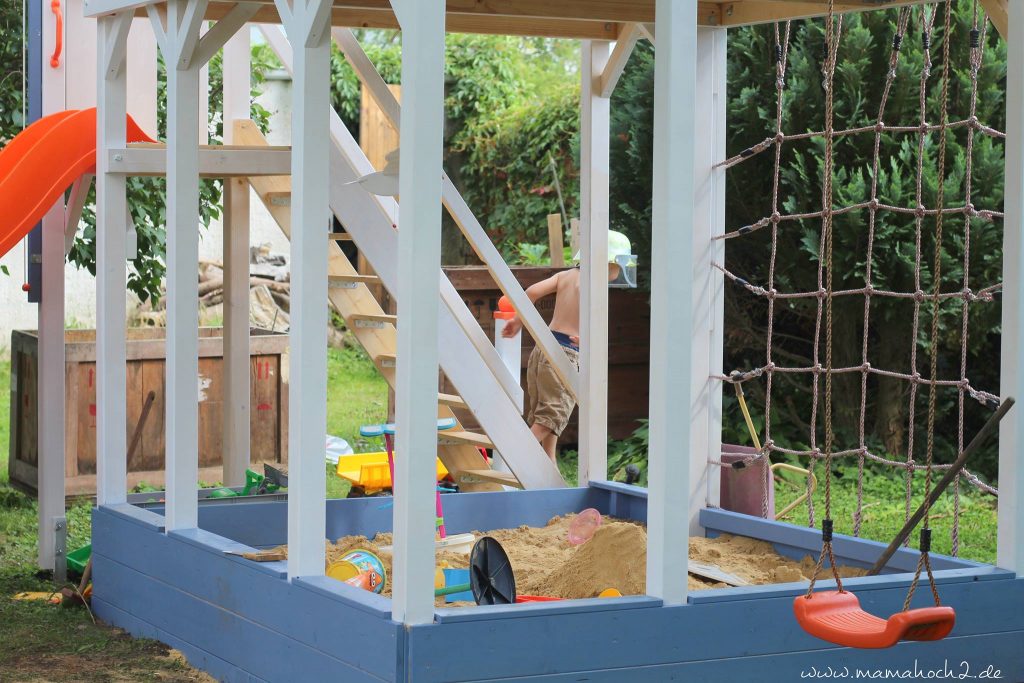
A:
(927, 222)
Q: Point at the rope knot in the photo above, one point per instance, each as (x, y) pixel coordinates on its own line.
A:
(770, 367)
(865, 367)
(776, 218)
(821, 294)
(923, 128)
(920, 210)
(817, 369)
(969, 210)
(968, 295)
(780, 137)
(869, 290)
(919, 296)
(771, 293)
(916, 377)
(879, 126)
(974, 123)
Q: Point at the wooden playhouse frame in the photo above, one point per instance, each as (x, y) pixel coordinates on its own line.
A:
(162, 571)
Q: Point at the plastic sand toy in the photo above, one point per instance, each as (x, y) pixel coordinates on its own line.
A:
(583, 526)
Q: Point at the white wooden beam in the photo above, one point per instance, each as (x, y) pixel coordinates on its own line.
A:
(187, 17)
(111, 297)
(612, 71)
(114, 45)
(672, 265)
(73, 212)
(419, 257)
(182, 397)
(158, 20)
(595, 131)
(467, 222)
(97, 8)
(1010, 548)
(307, 420)
(220, 33)
(215, 161)
(708, 283)
(236, 70)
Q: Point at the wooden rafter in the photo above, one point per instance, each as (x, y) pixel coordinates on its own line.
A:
(582, 19)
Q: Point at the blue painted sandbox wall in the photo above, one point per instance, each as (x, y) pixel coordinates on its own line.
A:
(243, 621)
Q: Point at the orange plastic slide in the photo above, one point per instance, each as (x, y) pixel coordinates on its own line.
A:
(41, 162)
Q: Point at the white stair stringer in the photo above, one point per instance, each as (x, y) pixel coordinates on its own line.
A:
(460, 359)
(466, 356)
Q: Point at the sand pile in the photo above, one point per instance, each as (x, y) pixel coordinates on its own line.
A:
(616, 557)
(545, 563)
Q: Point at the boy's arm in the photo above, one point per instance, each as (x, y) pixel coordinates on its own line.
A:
(535, 291)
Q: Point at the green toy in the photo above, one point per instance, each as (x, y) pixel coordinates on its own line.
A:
(271, 481)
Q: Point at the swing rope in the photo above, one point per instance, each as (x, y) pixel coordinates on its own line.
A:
(833, 32)
(924, 559)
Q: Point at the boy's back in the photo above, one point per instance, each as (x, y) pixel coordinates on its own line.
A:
(566, 318)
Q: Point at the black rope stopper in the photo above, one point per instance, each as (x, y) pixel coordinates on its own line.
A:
(897, 42)
(926, 40)
(926, 539)
(778, 53)
(826, 530)
(975, 38)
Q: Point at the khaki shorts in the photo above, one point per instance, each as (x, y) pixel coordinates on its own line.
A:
(547, 401)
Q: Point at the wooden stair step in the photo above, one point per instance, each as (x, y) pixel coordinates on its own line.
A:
(376, 321)
(386, 360)
(351, 281)
(335, 236)
(451, 400)
(278, 198)
(487, 476)
(471, 438)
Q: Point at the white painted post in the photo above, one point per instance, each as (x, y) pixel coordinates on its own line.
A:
(236, 67)
(708, 283)
(672, 265)
(307, 419)
(419, 256)
(50, 398)
(594, 159)
(1010, 547)
(111, 296)
(181, 376)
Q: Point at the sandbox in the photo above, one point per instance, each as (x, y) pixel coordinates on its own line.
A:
(245, 621)
(545, 562)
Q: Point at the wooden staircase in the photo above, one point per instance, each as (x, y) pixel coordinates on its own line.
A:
(375, 330)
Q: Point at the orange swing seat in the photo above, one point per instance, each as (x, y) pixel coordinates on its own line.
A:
(838, 618)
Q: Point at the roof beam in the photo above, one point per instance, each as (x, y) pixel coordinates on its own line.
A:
(747, 12)
(460, 23)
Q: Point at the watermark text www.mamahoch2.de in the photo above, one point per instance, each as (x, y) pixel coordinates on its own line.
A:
(955, 671)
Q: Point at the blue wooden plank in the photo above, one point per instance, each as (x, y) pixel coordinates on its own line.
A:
(196, 656)
(136, 514)
(858, 584)
(207, 541)
(563, 643)
(312, 617)
(372, 604)
(270, 654)
(265, 523)
(450, 615)
(848, 548)
(965, 658)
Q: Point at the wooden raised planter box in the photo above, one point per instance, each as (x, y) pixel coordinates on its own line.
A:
(146, 362)
(629, 334)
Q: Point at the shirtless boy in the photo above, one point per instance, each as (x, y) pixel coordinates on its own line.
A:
(548, 403)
